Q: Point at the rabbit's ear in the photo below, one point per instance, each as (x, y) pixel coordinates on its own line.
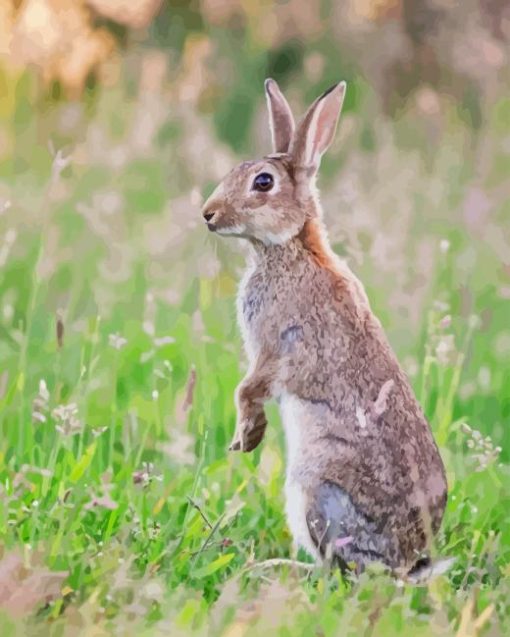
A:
(317, 129)
(281, 120)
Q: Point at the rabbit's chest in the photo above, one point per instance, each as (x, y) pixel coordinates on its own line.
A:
(259, 312)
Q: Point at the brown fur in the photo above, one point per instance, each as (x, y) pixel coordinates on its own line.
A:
(361, 457)
(313, 240)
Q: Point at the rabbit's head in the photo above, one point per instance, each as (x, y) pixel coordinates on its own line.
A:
(270, 199)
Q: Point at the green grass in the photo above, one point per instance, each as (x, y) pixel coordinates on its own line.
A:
(132, 496)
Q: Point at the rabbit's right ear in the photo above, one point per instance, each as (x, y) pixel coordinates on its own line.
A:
(281, 120)
(316, 130)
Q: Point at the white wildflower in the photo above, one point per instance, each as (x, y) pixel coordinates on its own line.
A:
(103, 501)
(484, 451)
(444, 246)
(163, 340)
(5, 204)
(149, 327)
(440, 306)
(10, 236)
(59, 164)
(8, 312)
(411, 366)
(40, 404)
(43, 390)
(474, 322)
(445, 349)
(5, 248)
(146, 356)
(484, 377)
(117, 341)
(445, 322)
(146, 474)
(66, 417)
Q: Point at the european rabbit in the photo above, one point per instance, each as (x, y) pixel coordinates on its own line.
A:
(365, 481)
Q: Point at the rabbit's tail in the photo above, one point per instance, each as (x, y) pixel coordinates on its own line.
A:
(425, 569)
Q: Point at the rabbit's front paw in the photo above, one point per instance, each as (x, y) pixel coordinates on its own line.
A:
(249, 433)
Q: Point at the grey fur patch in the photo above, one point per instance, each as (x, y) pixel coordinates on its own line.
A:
(331, 437)
(251, 306)
(290, 336)
(334, 516)
(320, 401)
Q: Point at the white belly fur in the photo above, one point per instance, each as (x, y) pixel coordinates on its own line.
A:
(293, 415)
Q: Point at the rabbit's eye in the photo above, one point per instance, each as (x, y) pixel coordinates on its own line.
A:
(263, 182)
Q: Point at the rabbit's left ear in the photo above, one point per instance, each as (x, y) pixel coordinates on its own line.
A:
(317, 129)
(281, 120)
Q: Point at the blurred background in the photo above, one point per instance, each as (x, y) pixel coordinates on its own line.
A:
(117, 118)
(117, 320)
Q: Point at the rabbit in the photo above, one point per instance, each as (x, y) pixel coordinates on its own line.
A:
(364, 478)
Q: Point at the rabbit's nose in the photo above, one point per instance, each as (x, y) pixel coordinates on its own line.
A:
(208, 216)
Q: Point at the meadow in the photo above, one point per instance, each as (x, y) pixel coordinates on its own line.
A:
(121, 510)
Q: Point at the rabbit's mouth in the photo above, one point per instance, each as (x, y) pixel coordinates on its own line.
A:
(227, 229)
(236, 230)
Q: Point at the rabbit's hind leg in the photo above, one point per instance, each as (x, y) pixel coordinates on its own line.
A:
(342, 533)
